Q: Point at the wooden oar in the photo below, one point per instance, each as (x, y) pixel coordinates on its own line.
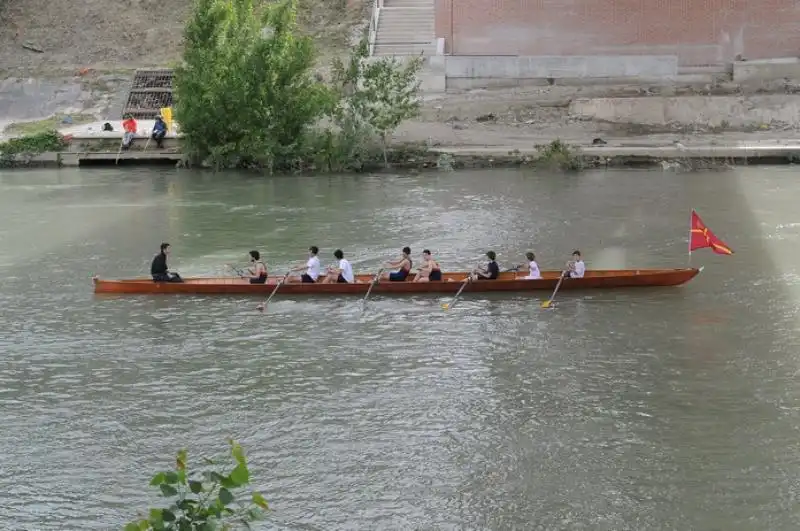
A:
(263, 305)
(463, 285)
(236, 270)
(372, 285)
(548, 302)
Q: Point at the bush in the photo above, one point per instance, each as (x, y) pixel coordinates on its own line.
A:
(558, 155)
(31, 145)
(202, 502)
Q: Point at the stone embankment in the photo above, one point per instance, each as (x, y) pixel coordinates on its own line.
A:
(666, 125)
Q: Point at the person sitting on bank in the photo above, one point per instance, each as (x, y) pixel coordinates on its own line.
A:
(404, 264)
(258, 273)
(533, 268)
(129, 131)
(312, 268)
(430, 270)
(575, 267)
(342, 273)
(159, 132)
(490, 271)
(159, 270)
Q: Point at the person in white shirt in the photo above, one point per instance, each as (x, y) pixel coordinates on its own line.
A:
(533, 268)
(342, 273)
(312, 268)
(575, 267)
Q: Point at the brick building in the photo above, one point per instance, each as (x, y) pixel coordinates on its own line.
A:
(699, 32)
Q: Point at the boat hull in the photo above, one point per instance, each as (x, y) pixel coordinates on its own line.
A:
(451, 283)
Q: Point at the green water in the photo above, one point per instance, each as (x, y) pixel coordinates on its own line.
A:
(644, 409)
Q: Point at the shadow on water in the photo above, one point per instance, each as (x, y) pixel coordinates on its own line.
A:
(655, 426)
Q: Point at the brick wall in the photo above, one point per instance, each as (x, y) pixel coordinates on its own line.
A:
(700, 32)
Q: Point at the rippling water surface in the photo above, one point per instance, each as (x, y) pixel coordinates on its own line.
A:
(644, 409)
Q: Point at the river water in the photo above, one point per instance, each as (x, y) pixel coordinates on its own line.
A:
(674, 408)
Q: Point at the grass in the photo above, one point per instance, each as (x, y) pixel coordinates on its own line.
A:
(47, 124)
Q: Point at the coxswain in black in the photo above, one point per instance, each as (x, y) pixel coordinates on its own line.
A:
(159, 269)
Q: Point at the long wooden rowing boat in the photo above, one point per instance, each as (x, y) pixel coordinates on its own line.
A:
(451, 282)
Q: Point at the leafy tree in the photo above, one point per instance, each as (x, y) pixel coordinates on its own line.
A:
(202, 502)
(245, 94)
(378, 94)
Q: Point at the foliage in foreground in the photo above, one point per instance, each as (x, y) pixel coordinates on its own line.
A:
(203, 501)
(32, 144)
(557, 155)
(246, 95)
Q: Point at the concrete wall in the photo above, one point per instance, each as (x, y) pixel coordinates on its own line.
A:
(699, 32)
(736, 111)
(766, 70)
(465, 72)
(442, 72)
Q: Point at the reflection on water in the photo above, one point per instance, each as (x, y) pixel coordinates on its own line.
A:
(643, 409)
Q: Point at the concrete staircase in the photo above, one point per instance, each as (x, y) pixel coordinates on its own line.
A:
(406, 27)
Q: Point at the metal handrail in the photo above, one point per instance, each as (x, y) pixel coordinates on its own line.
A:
(377, 5)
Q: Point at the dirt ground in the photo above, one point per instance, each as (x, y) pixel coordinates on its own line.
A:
(107, 35)
(117, 36)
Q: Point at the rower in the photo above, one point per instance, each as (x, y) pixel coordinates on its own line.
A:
(575, 267)
(430, 270)
(490, 271)
(342, 273)
(312, 268)
(404, 264)
(158, 268)
(258, 273)
(533, 268)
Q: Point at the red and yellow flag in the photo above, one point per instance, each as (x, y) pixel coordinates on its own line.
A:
(701, 237)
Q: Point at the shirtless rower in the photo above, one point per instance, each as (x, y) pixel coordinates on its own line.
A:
(258, 273)
(404, 264)
(533, 268)
(575, 267)
(430, 270)
(342, 273)
(490, 271)
(312, 268)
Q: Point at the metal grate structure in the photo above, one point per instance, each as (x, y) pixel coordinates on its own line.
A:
(150, 91)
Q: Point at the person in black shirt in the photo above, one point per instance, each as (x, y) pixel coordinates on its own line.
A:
(159, 270)
(490, 271)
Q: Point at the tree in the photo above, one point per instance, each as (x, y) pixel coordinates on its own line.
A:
(246, 96)
(202, 502)
(377, 94)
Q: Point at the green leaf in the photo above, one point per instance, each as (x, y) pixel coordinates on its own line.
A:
(168, 515)
(168, 490)
(133, 526)
(259, 500)
(196, 487)
(158, 479)
(156, 516)
(171, 478)
(225, 496)
(237, 453)
(180, 460)
(240, 475)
